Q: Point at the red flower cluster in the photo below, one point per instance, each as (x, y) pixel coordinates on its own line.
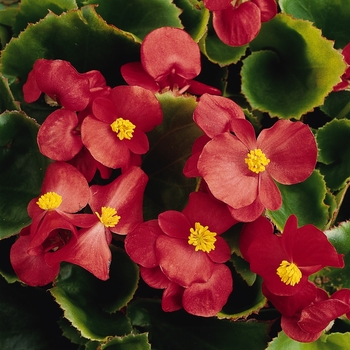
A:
(285, 261)
(183, 253)
(238, 22)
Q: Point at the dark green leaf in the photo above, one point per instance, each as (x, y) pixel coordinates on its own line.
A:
(138, 17)
(331, 16)
(170, 145)
(129, 342)
(339, 236)
(337, 105)
(87, 301)
(292, 68)
(334, 156)
(6, 99)
(305, 200)
(181, 331)
(22, 170)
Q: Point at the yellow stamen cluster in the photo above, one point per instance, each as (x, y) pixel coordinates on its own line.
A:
(289, 273)
(49, 201)
(124, 128)
(108, 216)
(202, 238)
(256, 160)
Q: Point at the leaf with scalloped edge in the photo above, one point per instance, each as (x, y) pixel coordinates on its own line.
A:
(333, 341)
(331, 16)
(22, 170)
(337, 105)
(339, 236)
(292, 68)
(138, 17)
(306, 200)
(129, 342)
(92, 305)
(334, 152)
(32, 11)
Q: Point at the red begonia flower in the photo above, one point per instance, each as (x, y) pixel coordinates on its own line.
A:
(285, 261)
(170, 59)
(178, 238)
(119, 123)
(60, 81)
(30, 264)
(285, 153)
(238, 22)
(213, 115)
(308, 324)
(117, 208)
(344, 84)
(64, 190)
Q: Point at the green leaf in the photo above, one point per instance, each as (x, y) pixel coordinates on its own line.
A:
(339, 236)
(6, 98)
(292, 68)
(88, 302)
(87, 47)
(194, 17)
(334, 341)
(170, 144)
(28, 319)
(138, 17)
(22, 170)
(129, 342)
(334, 156)
(193, 332)
(305, 200)
(31, 11)
(331, 16)
(337, 105)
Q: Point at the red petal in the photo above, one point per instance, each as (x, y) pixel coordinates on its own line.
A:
(140, 244)
(208, 211)
(198, 88)
(214, 113)
(269, 194)
(68, 182)
(181, 263)
(125, 194)
(207, 299)
(249, 213)
(237, 26)
(138, 144)
(174, 224)
(168, 50)
(222, 166)
(154, 277)
(134, 74)
(268, 9)
(57, 136)
(214, 5)
(31, 269)
(222, 251)
(31, 91)
(292, 150)
(172, 298)
(138, 105)
(98, 137)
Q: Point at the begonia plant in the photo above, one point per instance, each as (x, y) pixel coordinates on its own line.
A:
(174, 174)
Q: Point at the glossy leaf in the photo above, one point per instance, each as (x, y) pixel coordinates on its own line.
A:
(22, 170)
(305, 200)
(335, 341)
(339, 236)
(331, 16)
(171, 145)
(337, 105)
(88, 302)
(138, 17)
(334, 156)
(194, 17)
(193, 332)
(92, 36)
(32, 11)
(292, 68)
(6, 98)
(129, 342)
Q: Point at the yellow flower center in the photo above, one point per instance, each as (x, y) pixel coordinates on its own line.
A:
(256, 161)
(289, 273)
(108, 216)
(202, 238)
(124, 128)
(49, 201)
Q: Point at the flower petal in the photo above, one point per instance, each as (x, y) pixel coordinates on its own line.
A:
(174, 224)
(154, 277)
(269, 194)
(268, 9)
(172, 298)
